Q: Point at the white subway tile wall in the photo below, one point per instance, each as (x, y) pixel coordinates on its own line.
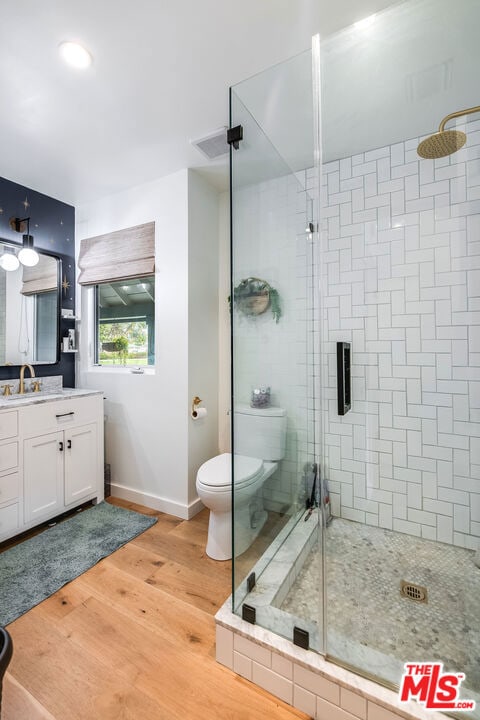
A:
(401, 282)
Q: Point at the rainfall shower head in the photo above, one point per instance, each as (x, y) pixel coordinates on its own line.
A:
(441, 144)
(445, 142)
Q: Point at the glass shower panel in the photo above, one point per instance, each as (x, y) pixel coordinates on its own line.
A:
(402, 286)
(274, 450)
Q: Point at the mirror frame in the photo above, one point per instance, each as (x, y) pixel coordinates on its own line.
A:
(42, 251)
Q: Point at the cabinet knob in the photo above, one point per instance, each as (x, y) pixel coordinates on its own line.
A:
(60, 446)
(69, 444)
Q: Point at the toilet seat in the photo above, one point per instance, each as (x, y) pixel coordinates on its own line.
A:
(215, 474)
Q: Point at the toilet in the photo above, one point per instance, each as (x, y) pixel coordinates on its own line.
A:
(260, 435)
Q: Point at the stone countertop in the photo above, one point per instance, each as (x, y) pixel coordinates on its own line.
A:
(13, 401)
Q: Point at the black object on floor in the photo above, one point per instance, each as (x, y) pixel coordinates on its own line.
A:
(6, 651)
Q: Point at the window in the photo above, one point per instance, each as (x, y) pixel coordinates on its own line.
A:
(120, 266)
(125, 322)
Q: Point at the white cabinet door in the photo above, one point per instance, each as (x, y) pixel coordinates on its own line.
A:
(43, 476)
(80, 462)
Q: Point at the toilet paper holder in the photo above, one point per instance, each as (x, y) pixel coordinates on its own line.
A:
(196, 401)
(198, 413)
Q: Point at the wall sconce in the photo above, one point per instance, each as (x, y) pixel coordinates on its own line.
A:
(27, 255)
(8, 260)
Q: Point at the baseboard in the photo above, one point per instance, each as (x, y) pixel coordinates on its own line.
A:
(195, 507)
(185, 512)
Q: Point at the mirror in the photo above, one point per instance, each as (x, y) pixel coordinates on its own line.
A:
(29, 310)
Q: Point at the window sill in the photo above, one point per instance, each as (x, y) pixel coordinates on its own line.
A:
(121, 370)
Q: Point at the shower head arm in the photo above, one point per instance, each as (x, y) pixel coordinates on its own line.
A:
(459, 113)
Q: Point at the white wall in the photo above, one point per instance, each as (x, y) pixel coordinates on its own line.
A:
(148, 445)
(224, 384)
(203, 276)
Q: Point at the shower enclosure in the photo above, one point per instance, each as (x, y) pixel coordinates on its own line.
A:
(356, 309)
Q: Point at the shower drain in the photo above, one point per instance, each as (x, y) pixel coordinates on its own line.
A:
(413, 592)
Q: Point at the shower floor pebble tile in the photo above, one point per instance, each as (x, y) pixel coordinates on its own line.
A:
(365, 566)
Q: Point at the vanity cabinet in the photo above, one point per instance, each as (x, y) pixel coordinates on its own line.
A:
(43, 477)
(59, 470)
(10, 484)
(79, 463)
(52, 463)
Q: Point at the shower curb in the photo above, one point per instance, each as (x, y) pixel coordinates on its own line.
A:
(305, 679)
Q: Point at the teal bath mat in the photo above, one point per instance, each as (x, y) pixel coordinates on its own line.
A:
(38, 567)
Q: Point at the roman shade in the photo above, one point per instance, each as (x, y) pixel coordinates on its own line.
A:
(41, 278)
(119, 255)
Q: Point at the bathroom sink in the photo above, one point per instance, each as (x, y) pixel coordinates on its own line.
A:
(29, 397)
(17, 398)
(37, 397)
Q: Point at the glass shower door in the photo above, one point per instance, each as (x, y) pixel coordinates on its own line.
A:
(273, 382)
(378, 377)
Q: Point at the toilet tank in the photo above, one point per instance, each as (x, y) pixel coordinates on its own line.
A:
(260, 432)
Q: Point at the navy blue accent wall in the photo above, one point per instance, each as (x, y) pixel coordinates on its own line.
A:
(52, 224)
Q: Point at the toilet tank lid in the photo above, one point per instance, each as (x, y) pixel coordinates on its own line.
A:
(272, 411)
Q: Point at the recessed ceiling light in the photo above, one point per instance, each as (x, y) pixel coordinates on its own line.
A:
(75, 55)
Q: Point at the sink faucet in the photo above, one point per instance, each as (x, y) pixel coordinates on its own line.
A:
(21, 384)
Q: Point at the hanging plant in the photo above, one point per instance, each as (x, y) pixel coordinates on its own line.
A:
(253, 297)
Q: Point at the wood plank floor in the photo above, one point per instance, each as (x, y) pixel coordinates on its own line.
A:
(134, 639)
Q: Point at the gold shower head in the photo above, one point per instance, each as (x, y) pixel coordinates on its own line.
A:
(445, 142)
(441, 144)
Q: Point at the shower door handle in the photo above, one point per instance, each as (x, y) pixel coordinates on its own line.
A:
(344, 390)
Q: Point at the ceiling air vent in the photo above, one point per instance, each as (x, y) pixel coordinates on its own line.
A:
(213, 145)
(431, 81)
